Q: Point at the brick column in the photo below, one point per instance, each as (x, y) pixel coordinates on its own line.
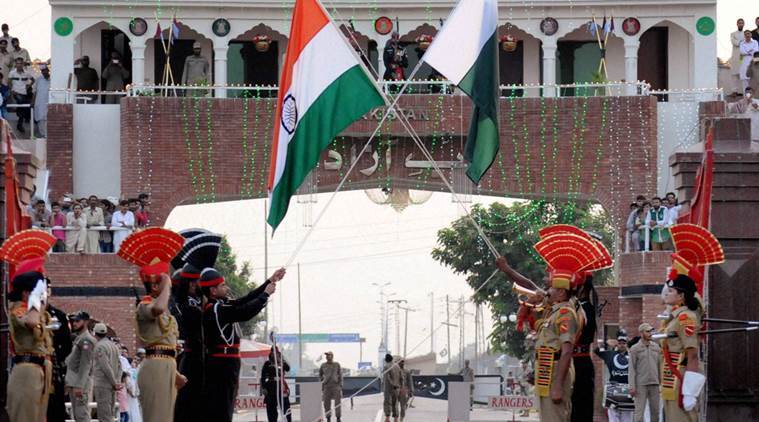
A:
(60, 149)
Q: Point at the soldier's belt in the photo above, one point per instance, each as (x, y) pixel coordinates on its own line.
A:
(225, 352)
(30, 358)
(153, 352)
(544, 360)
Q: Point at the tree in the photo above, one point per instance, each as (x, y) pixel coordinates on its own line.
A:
(513, 231)
(239, 282)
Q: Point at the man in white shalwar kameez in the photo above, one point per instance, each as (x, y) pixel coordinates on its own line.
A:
(735, 59)
(123, 222)
(748, 47)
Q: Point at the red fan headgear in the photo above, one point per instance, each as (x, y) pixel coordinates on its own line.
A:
(568, 256)
(152, 250)
(695, 247)
(603, 257)
(27, 251)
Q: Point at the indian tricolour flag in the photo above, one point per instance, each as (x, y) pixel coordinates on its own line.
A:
(465, 51)
(324, 88)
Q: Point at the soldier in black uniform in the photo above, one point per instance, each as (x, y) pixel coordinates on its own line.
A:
(222, 339)
(200, 251)
(273, 385)
(583, 392)
(62, 345)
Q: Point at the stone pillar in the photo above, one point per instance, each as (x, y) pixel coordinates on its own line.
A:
(704, 63)
(631, 64)
(62, 61)
(138, 62)
(220, 67)
(549, 66)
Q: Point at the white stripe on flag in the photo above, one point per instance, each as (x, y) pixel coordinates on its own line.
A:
(471, 24)
(320, 63)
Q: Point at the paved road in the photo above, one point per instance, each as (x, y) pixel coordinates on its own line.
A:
(369, 409)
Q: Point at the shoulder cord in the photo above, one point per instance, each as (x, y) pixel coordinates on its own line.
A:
(229, 341)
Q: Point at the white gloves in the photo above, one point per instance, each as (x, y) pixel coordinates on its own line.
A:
(38, 297)
(693, 383)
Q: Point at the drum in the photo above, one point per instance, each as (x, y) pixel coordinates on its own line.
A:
(618, 396)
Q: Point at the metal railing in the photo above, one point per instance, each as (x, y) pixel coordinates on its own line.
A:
(424, 87)
(631, 240)
(31, 116)
(688, 95)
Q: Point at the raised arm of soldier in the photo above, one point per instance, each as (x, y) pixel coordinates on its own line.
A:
(161, 303)
(513, 274)
(255, 293)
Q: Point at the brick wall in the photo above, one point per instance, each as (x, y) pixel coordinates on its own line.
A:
(103, 285)
(197, 150)
(60, 148)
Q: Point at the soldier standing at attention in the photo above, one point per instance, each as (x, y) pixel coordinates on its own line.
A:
(106, 373)
(30, 379)
(331, 377)
(152, 249)
(407, 388)
(391, 387)
(222, 338)
(79, 367)
(681, 379)
(196, 68)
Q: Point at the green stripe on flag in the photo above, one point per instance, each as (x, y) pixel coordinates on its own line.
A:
(481, 85)
(343, 102)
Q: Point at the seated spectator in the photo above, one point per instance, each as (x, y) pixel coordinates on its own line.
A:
(41, 91)
(58, 219)
(21, 89)
(123, 219)
(658, 221)
(106, 236)
(95, 218)
(76, 235)
(640, 225)
(20, 53)
(40, 216)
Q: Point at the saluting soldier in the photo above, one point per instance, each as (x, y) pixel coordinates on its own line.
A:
(152, 250)
(106, 373)
(79, 367)
(30, 378)
(222, 338)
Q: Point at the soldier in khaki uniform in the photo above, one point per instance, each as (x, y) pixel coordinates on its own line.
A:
(152, 249)
(643, 375)
(392, 378)
(29, 324)
(681, 379)
(407, 388)
(331, 377)
(79, 367)
(106, 374)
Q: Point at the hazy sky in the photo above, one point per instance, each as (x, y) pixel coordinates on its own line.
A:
(357, 243)
(30, 21)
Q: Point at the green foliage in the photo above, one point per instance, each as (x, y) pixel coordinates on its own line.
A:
(513, 231)
(239, 281)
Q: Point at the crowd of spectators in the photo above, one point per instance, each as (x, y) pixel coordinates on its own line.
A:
(649, 221)
(90, 225)
(23, 87)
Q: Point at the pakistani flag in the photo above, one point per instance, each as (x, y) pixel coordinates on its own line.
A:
(324, 88)
(465, 51)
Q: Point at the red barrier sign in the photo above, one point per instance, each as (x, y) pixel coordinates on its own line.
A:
(512, 402)
(249, 403)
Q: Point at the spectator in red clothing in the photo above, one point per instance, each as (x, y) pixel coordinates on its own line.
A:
(144, 199)
(58, 218)
(140, 219)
